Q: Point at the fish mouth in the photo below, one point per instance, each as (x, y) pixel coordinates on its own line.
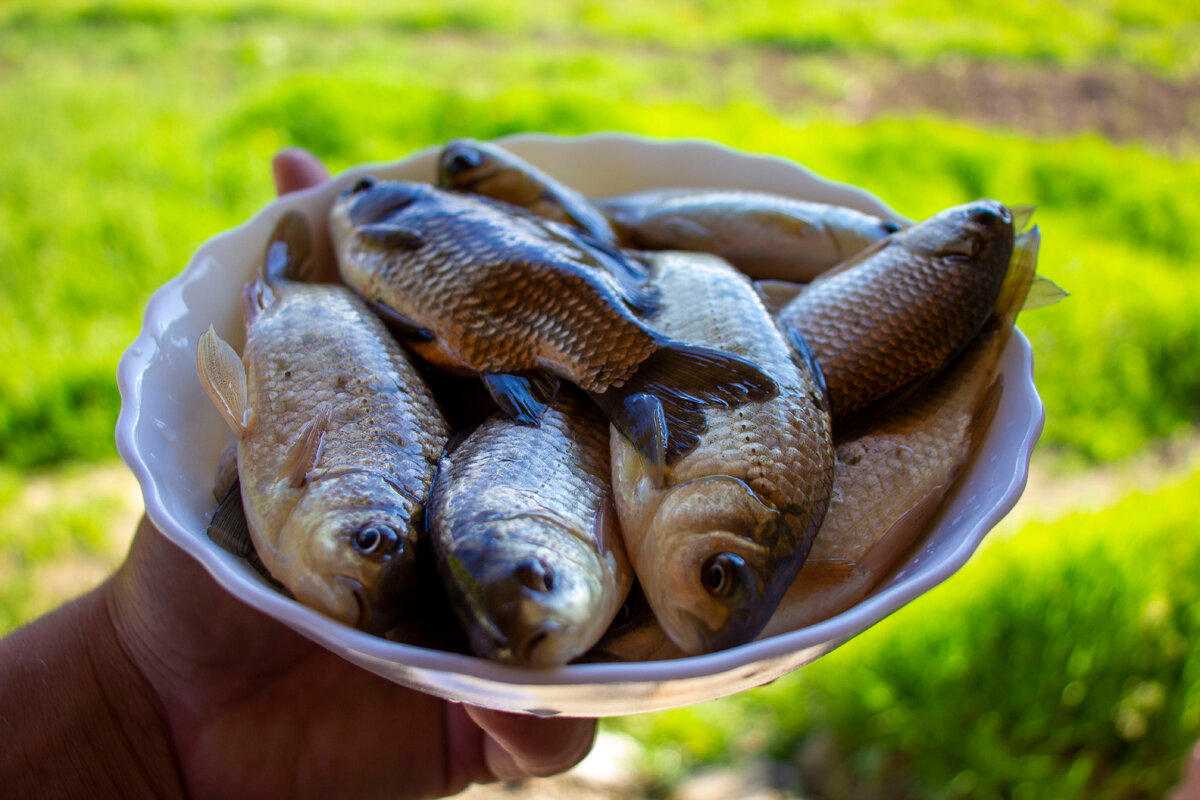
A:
(352, 606)
(540, 648)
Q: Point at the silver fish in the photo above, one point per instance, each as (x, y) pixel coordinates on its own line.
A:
(766, 236)
(718, 535)
(338, 439)
(526, 537)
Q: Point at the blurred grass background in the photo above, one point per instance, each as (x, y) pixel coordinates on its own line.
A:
(1062, 662)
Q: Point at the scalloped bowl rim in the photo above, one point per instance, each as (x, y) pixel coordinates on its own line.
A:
(618, 688)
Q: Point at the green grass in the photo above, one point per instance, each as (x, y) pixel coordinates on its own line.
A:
(1061, 663)
(1154, 34)
(113, 172)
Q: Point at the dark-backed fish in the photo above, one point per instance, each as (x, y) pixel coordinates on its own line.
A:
(767, 236)
(717, 536)
(889, 482)
(482, 287)
(526, 536)
(338, 439)
(901, 309)
(487, 169)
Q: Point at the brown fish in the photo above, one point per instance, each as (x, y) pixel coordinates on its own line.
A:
(766, 236)
(717, 536)
(487, 169)
(338, 439)
(526, 536)
(889, 481)
(483, 287)
(900, 310)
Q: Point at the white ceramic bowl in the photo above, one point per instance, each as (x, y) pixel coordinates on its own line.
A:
(170, 436)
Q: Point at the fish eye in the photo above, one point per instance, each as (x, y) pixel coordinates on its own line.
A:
(892, 227)
(375, 540)
(362, 185)
(464, 160)
(724, 574)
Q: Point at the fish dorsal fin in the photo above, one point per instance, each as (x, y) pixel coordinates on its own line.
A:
(305, 452)
(289, 250)
(223, 377)
(522, 396)
(777, 294)
(630, 275)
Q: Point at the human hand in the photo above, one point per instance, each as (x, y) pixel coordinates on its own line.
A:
(255, 710)
(160, 684)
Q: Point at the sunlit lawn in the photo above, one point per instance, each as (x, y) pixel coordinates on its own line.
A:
(131, 132)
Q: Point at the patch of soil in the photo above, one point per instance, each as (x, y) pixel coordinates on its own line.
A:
(1119, 103)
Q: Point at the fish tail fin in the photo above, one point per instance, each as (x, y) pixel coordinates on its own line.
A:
(289, 250)
(1022, 269)
(660, 409)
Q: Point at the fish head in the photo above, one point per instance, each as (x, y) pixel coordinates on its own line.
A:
(706, 563)
(981, 231)
(528, 589)
(471, 165)
(356, 565)
(371, 202)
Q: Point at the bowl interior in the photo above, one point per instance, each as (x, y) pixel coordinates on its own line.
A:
(171, 437)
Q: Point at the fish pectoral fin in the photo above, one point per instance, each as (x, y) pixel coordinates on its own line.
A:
(823, 574)
(777, 294)
(392, 236)
(805, 358)
(400, 325)
(685, 229)
(289, 250)
(685, 380)
(304, 453)
(522, 396)
(223, 377)
(648, 433)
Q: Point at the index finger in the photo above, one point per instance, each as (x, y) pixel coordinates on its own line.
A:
(295, 168)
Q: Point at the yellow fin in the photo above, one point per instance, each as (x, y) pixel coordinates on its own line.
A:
(223, 377)
(1021, 216)
(304, 453)
(1043, 292)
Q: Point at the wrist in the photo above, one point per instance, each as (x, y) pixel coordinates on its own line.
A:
(80, 718)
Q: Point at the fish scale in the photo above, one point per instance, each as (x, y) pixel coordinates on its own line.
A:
(473, 249)
(338, 438)
(901, 312)
(779, 451)
(511, 495)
